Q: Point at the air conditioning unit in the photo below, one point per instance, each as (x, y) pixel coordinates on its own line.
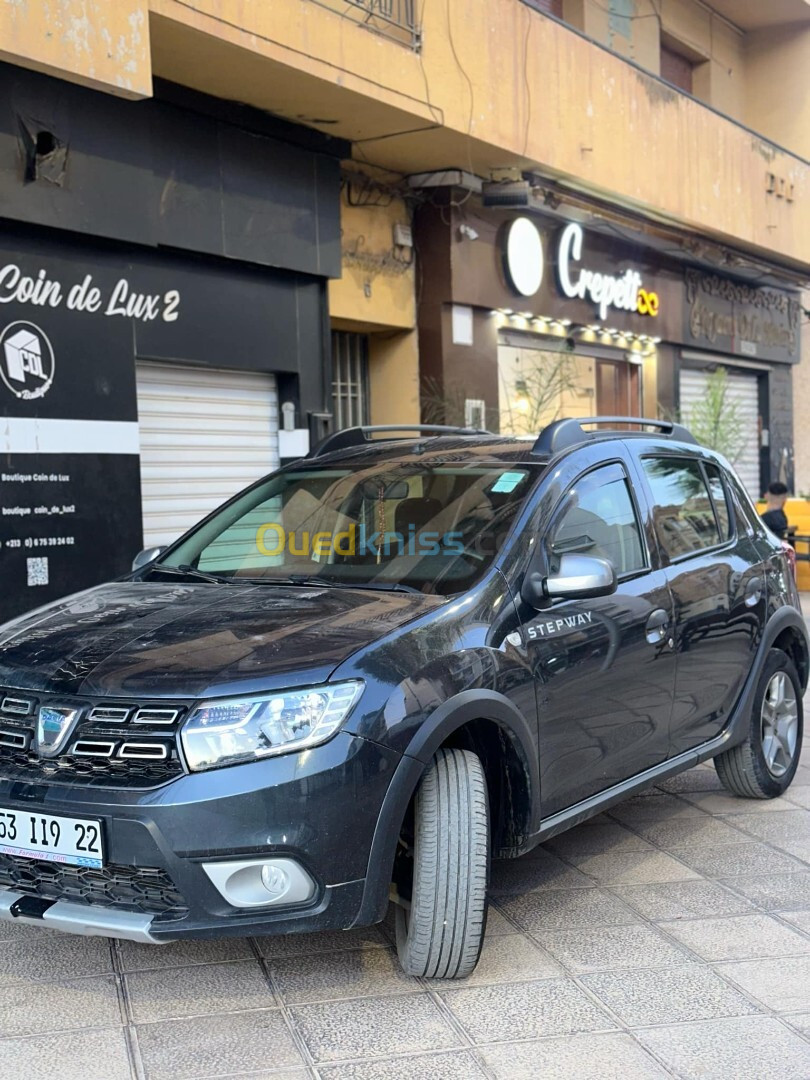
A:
(506, 193)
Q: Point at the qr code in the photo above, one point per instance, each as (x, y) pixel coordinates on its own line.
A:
(37, 571)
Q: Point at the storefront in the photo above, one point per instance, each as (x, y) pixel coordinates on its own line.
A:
(164, 335)
(525, 317)
(753, 334)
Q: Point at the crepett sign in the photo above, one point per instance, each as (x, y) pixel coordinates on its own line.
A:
(524, 263)
(625, 292)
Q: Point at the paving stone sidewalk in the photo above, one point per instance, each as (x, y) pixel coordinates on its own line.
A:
(667, 938)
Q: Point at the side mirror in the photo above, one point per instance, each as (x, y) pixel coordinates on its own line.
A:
(146, 556)
(580, 577)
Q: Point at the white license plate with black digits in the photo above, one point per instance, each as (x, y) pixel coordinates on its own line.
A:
(30, 834)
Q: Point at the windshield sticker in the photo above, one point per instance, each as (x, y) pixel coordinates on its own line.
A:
(551, 627)
(507, 482)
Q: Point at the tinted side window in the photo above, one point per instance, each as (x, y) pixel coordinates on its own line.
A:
(682, 510)
(597, 517)
(718, 490)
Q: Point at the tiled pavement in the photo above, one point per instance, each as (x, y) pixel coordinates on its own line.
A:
(670, 937)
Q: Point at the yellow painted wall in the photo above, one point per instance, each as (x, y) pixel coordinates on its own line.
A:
(377, 283)
(715, 48)
(496, 84)
(778, 86)
(393, 371)
(99, 43)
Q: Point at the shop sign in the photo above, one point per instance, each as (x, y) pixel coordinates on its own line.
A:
(624, 292)
(524, 263)
(42, 290)
(523, 256)
(738, 318)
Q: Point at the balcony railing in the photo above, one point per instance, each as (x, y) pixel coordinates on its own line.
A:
(392, 18)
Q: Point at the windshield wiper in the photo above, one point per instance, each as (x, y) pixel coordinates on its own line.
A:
(382, 586)
(189, 571)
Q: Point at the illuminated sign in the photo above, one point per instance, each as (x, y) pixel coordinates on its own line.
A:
(523, 256)
(625, 293)
(524, 263)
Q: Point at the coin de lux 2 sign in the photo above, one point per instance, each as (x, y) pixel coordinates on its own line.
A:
(525, 263)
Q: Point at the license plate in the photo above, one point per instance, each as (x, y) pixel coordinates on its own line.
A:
(47, 836)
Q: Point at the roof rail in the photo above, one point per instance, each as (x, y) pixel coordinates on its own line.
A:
(565, 433)
(358, 436)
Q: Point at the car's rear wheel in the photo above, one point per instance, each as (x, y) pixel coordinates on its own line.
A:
(440, 934)
(764, 765)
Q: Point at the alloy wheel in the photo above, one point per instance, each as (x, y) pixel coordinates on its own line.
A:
(780, 724)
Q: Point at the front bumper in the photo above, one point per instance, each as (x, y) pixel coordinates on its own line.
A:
(319, 808)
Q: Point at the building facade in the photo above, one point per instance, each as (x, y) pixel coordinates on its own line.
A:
(163, 318)
(337, 238)
(529, 315)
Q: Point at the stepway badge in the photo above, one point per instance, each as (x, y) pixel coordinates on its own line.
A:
(551, 627)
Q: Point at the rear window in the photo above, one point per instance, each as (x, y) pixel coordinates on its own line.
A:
(683, 513)
(720, 497)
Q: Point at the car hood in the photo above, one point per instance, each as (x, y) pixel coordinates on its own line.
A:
(193, 640)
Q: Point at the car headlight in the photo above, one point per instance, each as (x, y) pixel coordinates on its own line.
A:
(236, 730)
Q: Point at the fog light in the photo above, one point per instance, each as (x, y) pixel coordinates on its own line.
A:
(275, 880)
(261, 882)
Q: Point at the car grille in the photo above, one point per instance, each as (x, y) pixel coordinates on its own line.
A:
(129, 888)
(114, 744)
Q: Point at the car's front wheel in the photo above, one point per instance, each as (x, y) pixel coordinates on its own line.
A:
(440, 933)
(763, 766)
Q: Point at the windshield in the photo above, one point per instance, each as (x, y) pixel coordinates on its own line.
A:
(434, 528)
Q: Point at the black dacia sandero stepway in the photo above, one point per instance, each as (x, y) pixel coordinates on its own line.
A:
(382, 666)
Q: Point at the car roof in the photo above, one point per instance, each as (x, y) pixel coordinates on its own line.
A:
(454, 448)
(465, 445)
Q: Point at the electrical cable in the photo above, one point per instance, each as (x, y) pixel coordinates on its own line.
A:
(527, 84)
(463, 71)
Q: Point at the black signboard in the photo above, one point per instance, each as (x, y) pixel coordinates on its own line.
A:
(741, 319)
(73, 320)
(69, 467)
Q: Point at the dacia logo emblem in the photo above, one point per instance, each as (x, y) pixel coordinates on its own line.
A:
(53, 728)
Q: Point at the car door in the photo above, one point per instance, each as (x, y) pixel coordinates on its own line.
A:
(718, 591)
(603, 670)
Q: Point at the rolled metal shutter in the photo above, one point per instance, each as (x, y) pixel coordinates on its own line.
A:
(744, 392)
(205, 433)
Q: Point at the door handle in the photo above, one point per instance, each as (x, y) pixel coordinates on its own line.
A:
(657, 626)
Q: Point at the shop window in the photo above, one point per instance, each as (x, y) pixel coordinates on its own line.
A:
(349, 380)
(676, 68)
(538, 386)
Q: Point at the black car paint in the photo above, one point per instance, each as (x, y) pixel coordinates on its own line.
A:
(549, 717)
(165, 639)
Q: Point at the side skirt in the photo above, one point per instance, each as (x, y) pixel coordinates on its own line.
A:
(581, 811)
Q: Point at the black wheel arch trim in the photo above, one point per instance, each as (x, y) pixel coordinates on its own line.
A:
(449, 717)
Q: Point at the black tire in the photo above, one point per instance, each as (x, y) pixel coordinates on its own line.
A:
(745, 769)
(442, 933)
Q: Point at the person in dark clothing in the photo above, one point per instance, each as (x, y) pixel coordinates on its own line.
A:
(774, 514)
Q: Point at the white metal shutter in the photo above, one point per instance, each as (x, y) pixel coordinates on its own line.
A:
(743, 390)
(205, 433)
